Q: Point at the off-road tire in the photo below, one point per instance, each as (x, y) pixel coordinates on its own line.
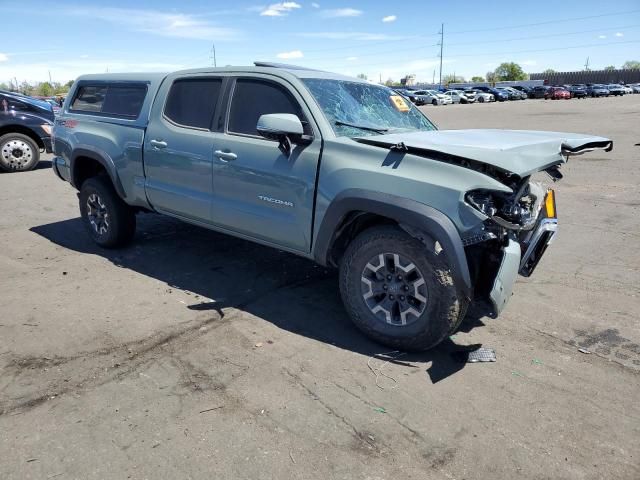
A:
(120, 218)
(24, 144)
(444, 309)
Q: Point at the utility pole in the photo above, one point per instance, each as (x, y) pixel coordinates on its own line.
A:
(441, 48)
(50, 82)
(213, 54)
(586, 65)
(433, 80)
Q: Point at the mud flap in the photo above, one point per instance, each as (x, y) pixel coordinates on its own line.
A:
(506, 277)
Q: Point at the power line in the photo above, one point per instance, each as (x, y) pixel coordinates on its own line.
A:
(495, 54)
(549, 22)
(422, 37)
(502, 40)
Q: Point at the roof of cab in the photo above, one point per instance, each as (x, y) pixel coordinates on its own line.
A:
(260, 67)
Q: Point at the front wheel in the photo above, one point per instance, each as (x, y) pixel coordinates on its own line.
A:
(398, 292)
(481, 99)
(18, 153)
(109, 221)
(434, 102)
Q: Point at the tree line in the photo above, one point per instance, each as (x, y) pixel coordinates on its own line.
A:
(508, 71)
(40, 89)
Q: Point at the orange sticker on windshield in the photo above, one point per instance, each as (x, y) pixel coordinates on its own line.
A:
(398, 102)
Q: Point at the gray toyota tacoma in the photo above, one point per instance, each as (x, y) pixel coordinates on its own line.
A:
(419, 221)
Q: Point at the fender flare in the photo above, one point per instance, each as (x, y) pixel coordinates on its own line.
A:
(103, 159)
(414, 217)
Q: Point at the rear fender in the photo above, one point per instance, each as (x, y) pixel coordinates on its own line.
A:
(103, 159)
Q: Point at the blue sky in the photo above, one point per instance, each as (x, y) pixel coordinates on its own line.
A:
(381, 39)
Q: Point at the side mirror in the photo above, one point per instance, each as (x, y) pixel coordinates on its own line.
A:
(283, 127)
(275, 125)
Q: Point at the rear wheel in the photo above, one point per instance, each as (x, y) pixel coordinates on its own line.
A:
(18, 153)
(481, 99)
(434, 102)
(110, 222)
(398, 292)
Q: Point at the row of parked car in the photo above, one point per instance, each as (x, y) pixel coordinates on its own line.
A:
(483, 94)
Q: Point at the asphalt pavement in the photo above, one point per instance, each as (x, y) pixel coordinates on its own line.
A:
(191, 354)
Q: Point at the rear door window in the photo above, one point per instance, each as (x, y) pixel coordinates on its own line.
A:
(253, 98)
(119, 100)
(192, 102)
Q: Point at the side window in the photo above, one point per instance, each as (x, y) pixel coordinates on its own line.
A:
(124, 100)
(192, 101)
(89, 98)
(8, 104)
(119, 100)
(253, 98)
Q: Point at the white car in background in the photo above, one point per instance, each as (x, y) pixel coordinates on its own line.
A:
(627, 89)
(482, 97)
(635, 87)
(444, 99)
(458, 96)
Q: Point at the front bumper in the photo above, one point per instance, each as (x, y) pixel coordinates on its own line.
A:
(521, 258)
(536, 244)
(61, 169)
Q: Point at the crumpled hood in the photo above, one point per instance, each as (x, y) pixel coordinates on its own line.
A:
(522, 152)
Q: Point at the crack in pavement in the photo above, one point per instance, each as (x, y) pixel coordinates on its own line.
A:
(128, 356)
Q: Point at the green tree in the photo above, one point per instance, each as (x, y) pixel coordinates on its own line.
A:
(491, 77)
(44, 89)
(389, 82)
(610, 68)
(631, 65)
(363, 76)
(4, 86)
(549, 71)
(477, 79)
(509, 71)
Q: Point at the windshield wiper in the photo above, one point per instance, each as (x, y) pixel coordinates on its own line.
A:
(362, 127)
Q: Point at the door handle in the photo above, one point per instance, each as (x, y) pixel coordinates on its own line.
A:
(227, 156)
(158, 143)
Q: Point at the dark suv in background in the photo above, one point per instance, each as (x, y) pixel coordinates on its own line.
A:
(25, 131)
(577, 91)
(539, 91)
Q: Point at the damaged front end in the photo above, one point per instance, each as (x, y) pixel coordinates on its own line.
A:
(512, 240)
(513, 226)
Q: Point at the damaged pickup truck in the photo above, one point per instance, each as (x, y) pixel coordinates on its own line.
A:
(420, 222)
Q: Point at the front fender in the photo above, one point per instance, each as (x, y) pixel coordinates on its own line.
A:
(406, 212)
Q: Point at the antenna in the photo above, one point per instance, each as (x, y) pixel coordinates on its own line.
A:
(213, 54)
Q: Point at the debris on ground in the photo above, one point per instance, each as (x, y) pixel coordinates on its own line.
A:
(212, 409)
(377, 370)
(584, 350)
(259, 344)
(516, 374)
(481, 355)
(380, 410)
(535, 361)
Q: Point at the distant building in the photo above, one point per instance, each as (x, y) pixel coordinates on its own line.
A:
(409, 80)
(590, 76)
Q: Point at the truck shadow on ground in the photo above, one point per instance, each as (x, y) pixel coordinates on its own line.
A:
(221, 271)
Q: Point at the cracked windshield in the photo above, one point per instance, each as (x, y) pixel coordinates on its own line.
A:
(357, 109)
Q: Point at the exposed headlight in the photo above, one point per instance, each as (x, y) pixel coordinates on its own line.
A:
(47, 128)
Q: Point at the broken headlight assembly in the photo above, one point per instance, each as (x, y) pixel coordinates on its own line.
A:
(514, 211)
